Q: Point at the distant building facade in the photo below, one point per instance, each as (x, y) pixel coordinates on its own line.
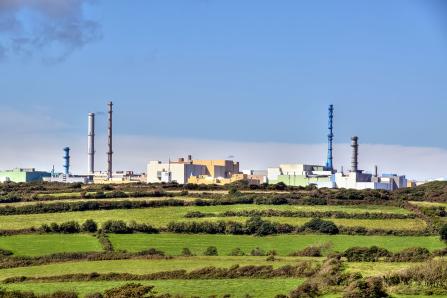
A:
(183, 171)
(23, 175)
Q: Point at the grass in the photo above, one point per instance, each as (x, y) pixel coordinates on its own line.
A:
(283, 244)
(429, 204)
(160, 217)
(37, 245)
(203, 288)
(376, 268)
(142, 266)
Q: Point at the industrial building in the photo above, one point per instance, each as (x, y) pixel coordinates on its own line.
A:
(301, 175)
(197, 172)
(326, 176)
(22, 175)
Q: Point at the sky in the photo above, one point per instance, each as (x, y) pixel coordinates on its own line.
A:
(249, 79)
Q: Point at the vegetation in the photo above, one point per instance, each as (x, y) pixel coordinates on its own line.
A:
(283, 244)
(116, 240)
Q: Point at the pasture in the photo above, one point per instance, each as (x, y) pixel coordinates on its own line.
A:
(160, 217)
(283, 244)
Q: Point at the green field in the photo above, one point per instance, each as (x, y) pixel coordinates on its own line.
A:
(267, 288)
(143, 266)
(37, 245)
(376, 268)
(283, 244)
(429, 204)
(160, 217)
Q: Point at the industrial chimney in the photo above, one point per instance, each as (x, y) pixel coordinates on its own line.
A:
(91, 143)
(66, 160)
(330, 138)
(110, 151)
(376, 171)
(355, 154)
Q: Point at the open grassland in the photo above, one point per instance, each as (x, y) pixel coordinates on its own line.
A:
(160, 217)
(37, 245)
(376, 268)
(267, 288)
(428, 204)
(143, 266)
(283, 244)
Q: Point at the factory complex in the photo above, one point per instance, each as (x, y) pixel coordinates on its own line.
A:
(219, 171)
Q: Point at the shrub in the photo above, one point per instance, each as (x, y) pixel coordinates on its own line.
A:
(365, 254)
(54, 227)
(310, 251)
(366, 288)
(69, 227)
(443, 232)
(322, 226)
(255, 225)
(130, 290)
(237, 252)
(116, 226)
(412, 254)
(211, 251)
(89, 226)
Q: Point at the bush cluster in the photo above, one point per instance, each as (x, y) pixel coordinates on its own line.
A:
(90, 226)
(253, 226)
(322, 226)
(374, 254)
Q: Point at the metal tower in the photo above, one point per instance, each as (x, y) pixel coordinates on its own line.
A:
(110, 151)
(91, 144)
(66, 160)
(330, 138)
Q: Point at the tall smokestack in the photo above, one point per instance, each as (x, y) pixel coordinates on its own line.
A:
(355, 154)
(91, 143)
(110, 151)
(376, 171)
(66, 160)
(330, 138)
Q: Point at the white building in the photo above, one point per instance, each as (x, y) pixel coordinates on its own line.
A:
(172, 171)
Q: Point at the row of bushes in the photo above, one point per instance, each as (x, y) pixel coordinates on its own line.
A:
(253, 226)
(11, 261)
(290, 213)
(432, 274)
(302, 269)
(374, 254)
(86, 206)
(90, 226)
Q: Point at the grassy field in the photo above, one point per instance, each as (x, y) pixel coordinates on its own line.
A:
(267, 288)
(36, 245)
(160, 217)
(376, 268)
(283, 244)
(429, 204)
(142, 266)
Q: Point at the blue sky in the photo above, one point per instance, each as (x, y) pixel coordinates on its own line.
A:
(243, 71)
